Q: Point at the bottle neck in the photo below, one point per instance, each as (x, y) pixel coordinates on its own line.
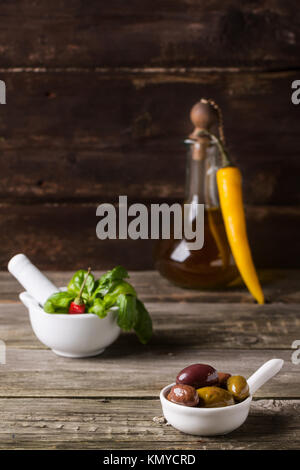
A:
(203, 163)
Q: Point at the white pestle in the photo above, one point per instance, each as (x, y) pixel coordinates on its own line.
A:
(31, 278)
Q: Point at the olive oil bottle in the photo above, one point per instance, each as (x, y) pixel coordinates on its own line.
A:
(213, 265)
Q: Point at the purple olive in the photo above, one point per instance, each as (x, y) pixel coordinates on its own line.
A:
(198, 375)
(183, 395)
(223, 377)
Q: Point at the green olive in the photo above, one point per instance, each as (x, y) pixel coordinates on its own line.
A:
(238, 386)
(214, 397)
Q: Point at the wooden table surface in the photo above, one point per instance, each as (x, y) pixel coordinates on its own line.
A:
(111, 401)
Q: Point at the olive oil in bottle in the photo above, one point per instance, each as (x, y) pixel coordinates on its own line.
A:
(213, 265)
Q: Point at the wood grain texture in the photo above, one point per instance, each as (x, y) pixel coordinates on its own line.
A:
(133, 371)
(128, 424)
(94, 136)
(180, 325)
(279, 286)
(109, 401)
(160, 33)
(64, 236)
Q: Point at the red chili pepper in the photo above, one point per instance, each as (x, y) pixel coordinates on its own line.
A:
(76, 308)
(78, 305)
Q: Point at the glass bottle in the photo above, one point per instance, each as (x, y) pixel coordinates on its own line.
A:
(213, 265)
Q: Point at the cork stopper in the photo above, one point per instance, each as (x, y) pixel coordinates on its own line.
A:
(205, 115)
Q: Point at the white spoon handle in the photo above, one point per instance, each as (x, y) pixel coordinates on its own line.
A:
(263, 374)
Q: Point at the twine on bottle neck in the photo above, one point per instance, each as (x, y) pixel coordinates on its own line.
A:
(220, 117)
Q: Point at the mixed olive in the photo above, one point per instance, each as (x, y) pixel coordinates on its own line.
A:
(201, 385)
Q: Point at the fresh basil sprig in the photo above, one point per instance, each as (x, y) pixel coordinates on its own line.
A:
(76, 282)
(102, 294)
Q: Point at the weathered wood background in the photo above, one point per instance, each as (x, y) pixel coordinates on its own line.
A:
(98, 96)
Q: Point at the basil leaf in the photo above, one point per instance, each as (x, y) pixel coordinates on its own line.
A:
(116, 274)
(109, 301)
(59, 302)
(127, 314)
(112, 286)
(98, 308)
(118, 288)
(122, 287)
(143, 324)
(100, 289)
(75, 284)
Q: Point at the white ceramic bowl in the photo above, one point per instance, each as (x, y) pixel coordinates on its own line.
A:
(204, 421)
(214, 421)
(80, 335)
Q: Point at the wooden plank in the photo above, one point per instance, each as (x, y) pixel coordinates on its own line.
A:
(138, 34)
(279, 286)
(49, 234)
(185, 325)
(128, 424)
(133, 371)
(124, 133)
